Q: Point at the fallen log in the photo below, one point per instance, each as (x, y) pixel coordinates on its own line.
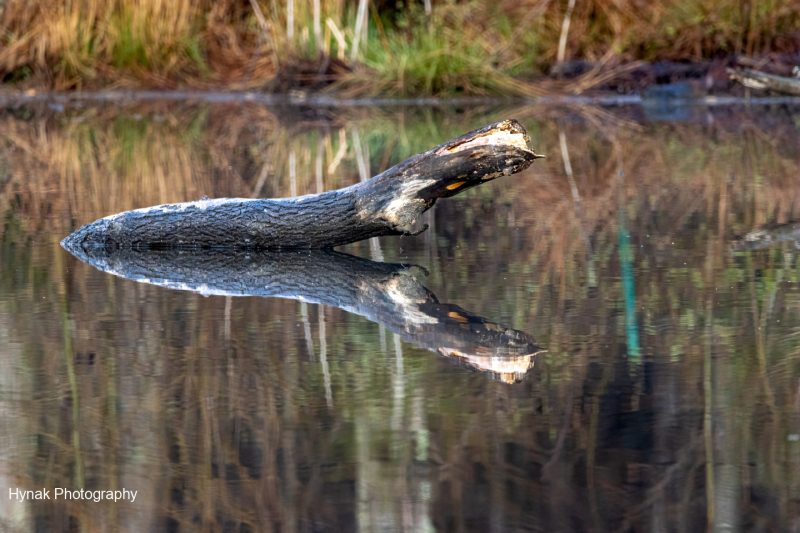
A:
(381, 292)
(768, 235)
(760, 80)
(387, 204)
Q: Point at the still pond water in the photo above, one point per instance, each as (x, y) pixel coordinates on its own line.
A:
(585, 346)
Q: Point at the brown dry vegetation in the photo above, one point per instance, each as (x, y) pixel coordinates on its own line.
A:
(86, 43)
(218, 413)
(466, 47)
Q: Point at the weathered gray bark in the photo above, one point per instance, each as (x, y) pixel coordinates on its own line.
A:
(381, 292)
(760, 80)
(387, 204)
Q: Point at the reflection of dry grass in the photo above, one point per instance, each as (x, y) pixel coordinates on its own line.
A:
(229, 424)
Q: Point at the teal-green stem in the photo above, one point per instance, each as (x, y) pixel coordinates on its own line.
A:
(628, 289)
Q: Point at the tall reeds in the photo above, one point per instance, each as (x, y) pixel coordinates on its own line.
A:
(439, 48)
(74, 42)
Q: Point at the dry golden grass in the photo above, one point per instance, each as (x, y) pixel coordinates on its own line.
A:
(629, 30)
(152, 42)
(466, 47)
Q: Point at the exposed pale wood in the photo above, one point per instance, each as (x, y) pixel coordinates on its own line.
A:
(760, 80)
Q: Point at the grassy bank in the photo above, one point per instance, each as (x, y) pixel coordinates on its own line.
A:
(373, 47)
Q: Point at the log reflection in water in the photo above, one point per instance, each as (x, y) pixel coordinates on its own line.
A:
(381, 292)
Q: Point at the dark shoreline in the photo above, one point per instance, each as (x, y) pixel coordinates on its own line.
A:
(704, 83)
(315, 100)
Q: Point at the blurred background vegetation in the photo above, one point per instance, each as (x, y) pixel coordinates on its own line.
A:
(375, 47)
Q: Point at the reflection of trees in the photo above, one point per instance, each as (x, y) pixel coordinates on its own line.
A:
(220, 430)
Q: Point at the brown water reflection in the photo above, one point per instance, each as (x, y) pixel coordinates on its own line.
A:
(667, 400)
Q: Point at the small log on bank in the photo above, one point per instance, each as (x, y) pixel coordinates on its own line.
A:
(761, 80)
(387, 204)
(769, 235)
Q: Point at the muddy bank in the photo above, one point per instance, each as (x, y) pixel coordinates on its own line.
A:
(330, 81)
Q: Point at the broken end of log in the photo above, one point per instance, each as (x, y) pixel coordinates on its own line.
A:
(401, 194)
(755, 79)
(506, 132)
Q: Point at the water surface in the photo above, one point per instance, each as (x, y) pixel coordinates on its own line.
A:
(659, 388)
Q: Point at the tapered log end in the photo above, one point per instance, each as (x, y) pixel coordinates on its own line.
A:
(507, 133)
(93, 235)
(496, 150)
(402, 193)
(95, 255)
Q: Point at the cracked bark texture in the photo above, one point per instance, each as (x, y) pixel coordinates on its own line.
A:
(381, 292)
(387, 204)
